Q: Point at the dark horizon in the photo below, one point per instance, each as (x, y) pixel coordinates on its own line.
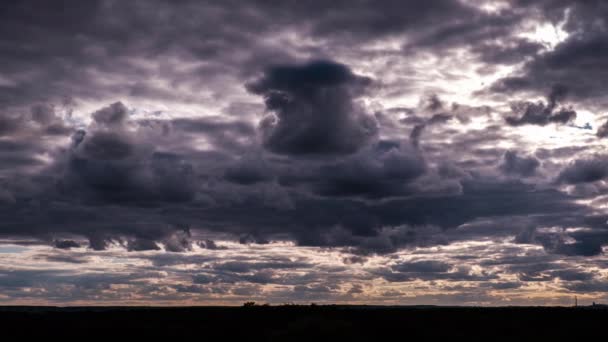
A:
(305, 322)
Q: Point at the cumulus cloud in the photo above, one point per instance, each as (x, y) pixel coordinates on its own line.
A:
(138, 182)
(516, 165)
(114, 115)
(585, 170)
(65, 244)
(381, 173)
(602, 131)
(314, 109)
(541, 114)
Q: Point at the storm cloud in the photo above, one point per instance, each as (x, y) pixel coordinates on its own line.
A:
(314, 109)
(345, 151)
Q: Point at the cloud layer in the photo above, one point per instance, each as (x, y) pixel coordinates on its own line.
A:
(337, 147)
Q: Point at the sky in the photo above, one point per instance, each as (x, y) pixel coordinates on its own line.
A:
(447, 152)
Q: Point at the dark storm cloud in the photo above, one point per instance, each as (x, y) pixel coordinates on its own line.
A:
(412, 220)
(579, 61)
(314, 109)
(43, 114)
(65, 244)
(108, 169)
(71, 48)
(8, 125)
(584, 242)
(326, 166)
(541, 114)
(41, 120)
(157, 194)
(602, 131)
(108, 164)
(111, 116)
(435, 119)
(377, 173)
(522, 166)
(210, 244)
(107, 146)
(585, 170)
(394, 16)
(25, 137)
(248, 172)
(140, 244)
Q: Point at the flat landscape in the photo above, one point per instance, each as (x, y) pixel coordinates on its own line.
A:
(304, 322)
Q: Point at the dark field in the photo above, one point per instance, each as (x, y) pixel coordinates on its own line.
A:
(304, 322)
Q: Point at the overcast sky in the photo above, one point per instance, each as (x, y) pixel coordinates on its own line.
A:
(379, 152)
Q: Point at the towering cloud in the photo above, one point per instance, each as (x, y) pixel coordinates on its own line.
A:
(314, 109)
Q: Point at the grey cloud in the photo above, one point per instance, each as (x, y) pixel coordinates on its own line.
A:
(435, 119)
(113, 115)
(426, 266)
(43, 114)
(249, 171)
(383, 175)
(589, 286)
(522, 166)
(210, 244)
(314, 109)
(107, 146)
(159, 192)
(541, 114)
(602, 131)
(327, 166)
(141, 244)
(579, 61)
(179, 241)
(65, 244)
(584, 170)
(586, 243)
(8, 124)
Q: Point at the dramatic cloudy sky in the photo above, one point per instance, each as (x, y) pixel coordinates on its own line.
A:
(382, 152)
